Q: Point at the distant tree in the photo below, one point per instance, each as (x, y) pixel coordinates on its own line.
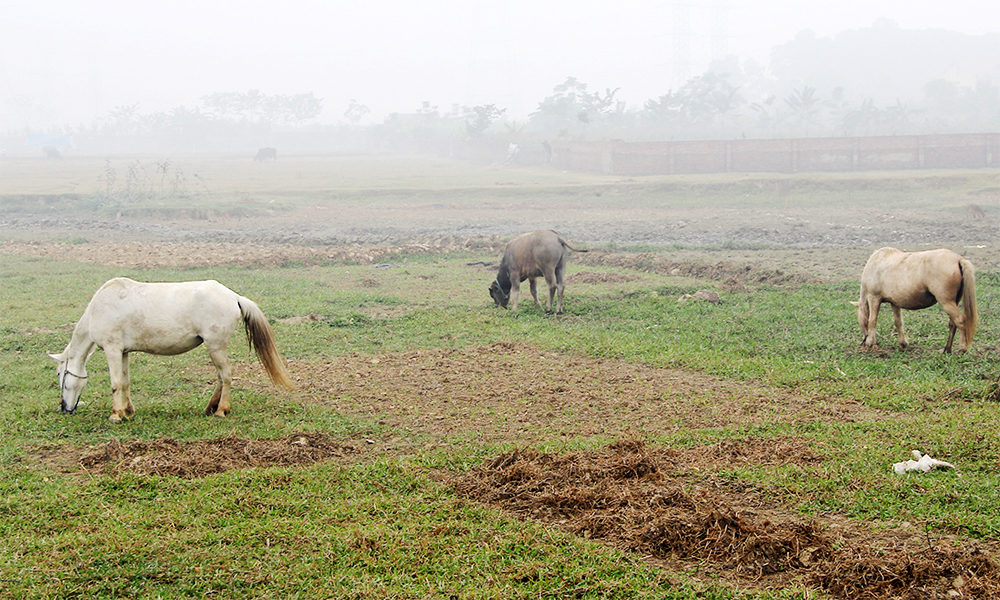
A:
(253, 107)
(898, 119)
(769, 116)
(865, 119)
(124, 119)
(571, 105)
(300, 108)
(706, 99)
(804, 106)
(479, 118)
(223, 104)
(187, 121)
(355, 112)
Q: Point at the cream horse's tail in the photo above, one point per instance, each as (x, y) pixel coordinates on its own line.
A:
(969, 299)
(261, 339)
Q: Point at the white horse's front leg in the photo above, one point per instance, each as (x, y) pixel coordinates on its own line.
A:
(119, 383)
(219, 404)
(897, 315)
(127, 388)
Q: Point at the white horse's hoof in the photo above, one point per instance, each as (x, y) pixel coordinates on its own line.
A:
(115, 418)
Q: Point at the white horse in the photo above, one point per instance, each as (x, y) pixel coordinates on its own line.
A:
(126, 316)
(916, 280)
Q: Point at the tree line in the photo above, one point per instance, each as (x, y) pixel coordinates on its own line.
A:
(881, 80)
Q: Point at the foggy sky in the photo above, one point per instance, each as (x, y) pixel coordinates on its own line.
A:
(75, 61)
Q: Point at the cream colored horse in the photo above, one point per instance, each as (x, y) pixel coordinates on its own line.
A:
(915, 280)
(126, 316)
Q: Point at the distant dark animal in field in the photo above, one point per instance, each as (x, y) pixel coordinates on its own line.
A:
(974, 211)
(916, 280)
(266, 154)
(51, 152)
(529, 256)
(548, 151)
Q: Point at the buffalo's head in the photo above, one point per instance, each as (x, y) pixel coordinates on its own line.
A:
(499, 297)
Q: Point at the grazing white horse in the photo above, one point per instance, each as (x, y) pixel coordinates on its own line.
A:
(915, 280)
(126, 316)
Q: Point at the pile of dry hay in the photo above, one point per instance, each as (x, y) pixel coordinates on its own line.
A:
(635, 498)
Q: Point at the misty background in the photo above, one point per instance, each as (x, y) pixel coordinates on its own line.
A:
(394, 75)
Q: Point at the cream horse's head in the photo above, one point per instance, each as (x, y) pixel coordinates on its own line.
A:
(71, 383)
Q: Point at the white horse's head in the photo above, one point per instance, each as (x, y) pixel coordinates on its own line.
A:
(71, 383)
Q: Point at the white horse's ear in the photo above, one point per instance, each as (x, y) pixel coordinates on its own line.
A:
(56, 357)
(855, 303)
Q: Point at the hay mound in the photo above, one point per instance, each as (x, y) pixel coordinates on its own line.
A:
(205, 457)
(639, 499)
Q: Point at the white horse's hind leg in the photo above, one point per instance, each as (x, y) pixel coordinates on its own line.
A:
(897, 316)
(219, 404)
(119, 383)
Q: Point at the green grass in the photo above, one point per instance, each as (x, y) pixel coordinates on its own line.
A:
(386, 527)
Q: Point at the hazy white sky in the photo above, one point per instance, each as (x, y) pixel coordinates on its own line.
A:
(76, 60)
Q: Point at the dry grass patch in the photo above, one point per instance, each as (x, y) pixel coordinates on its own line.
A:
(645, 500)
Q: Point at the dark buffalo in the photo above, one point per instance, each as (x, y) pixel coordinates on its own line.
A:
(529, 256)
(266, 154)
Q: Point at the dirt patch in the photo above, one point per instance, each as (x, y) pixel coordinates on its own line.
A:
(735, 275)
(186, 255)
(600, 278)
(203, 457)
(736, 270)
(511, 392)
(657, 502)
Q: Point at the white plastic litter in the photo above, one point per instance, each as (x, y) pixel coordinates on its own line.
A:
(922, 463)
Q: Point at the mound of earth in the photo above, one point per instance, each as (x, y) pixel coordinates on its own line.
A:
(658, 502)
(205, 457)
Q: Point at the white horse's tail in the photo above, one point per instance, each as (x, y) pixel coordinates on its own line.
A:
(969, 299)
(261, 339)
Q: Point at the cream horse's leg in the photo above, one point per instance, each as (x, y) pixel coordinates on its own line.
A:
(219, 404)
(956, 321)
(897, 316)
(118, 371)
(871, 327)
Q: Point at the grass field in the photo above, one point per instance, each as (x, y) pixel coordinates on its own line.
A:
(437, 447)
